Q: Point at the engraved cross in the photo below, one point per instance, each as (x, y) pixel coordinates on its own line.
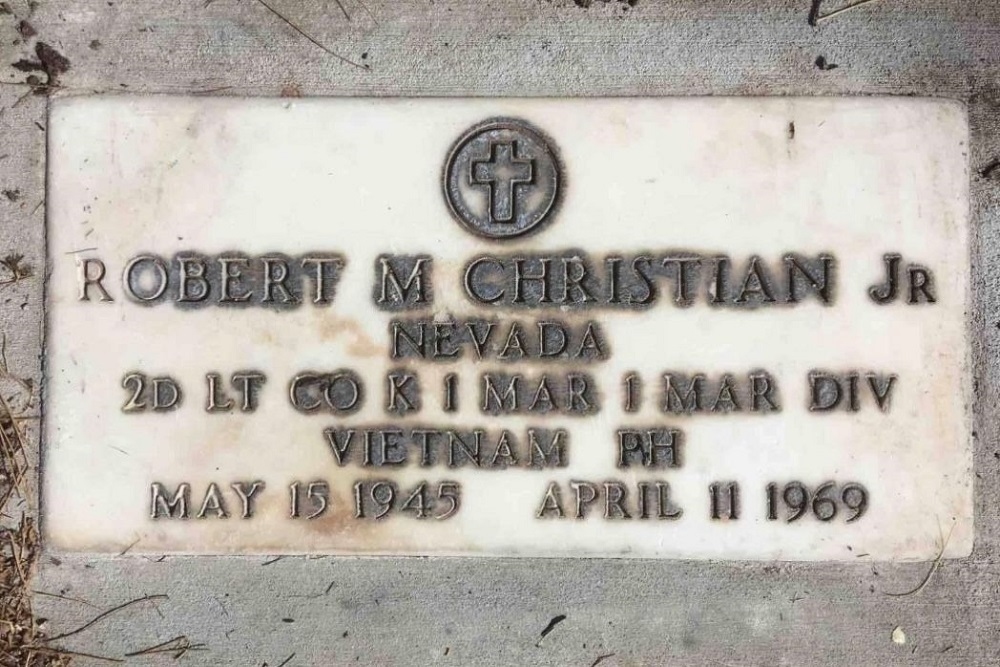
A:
(502, 172)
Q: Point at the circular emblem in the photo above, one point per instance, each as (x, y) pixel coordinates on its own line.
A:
(501, 179)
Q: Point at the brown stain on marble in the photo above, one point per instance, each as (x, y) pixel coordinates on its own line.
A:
(359, 343)
(336, 530)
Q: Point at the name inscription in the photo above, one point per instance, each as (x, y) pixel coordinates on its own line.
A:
(672, 358)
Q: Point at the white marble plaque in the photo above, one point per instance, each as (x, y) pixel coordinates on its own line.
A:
(683, 328)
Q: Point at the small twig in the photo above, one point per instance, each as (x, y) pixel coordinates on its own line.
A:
(17, 103)
(310, 38)
(822, 17)
(19, 555)
(368, 11)
(556, 620)
(346, 16)
(178, 646)
(154, 648)
(66, 597)
(129, 547)
(814, 12)
(989, 170)
(4, 368)
(62, 651)
(12, 456)
(930, 573)
(286, 660)
(5, 372)
(601, 658)
(102, 616)
(211, 91)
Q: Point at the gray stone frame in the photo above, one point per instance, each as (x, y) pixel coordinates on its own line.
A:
(489, 611)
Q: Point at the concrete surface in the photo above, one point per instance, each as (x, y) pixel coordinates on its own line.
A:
(333, 611)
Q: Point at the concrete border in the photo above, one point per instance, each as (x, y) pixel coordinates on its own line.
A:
(321, 611)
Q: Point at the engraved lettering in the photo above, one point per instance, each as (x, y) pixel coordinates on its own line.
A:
(474, 284)
(402, 392)
(213, 502)
(614, 501)
(757, 284)
(685, 268)
(159, 394)
(551, 505)
(94, 278)
(393, 293)
(881, 388)
(450, 402)
(887, 291)
(633, 392)
(249, 383)
(218, 401)
(192, 276)
(323, 278)
(175, 507)
(585, 494)
(828, 391)
(275, 270)
(725, 500)
(246, 492)
(538, 282)
(650, 447)
(145, 278)
(802, 277)
(921, 285)
(232, 271)
(341, 392)
(482, 448)
(683, 395)
(570, 394)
